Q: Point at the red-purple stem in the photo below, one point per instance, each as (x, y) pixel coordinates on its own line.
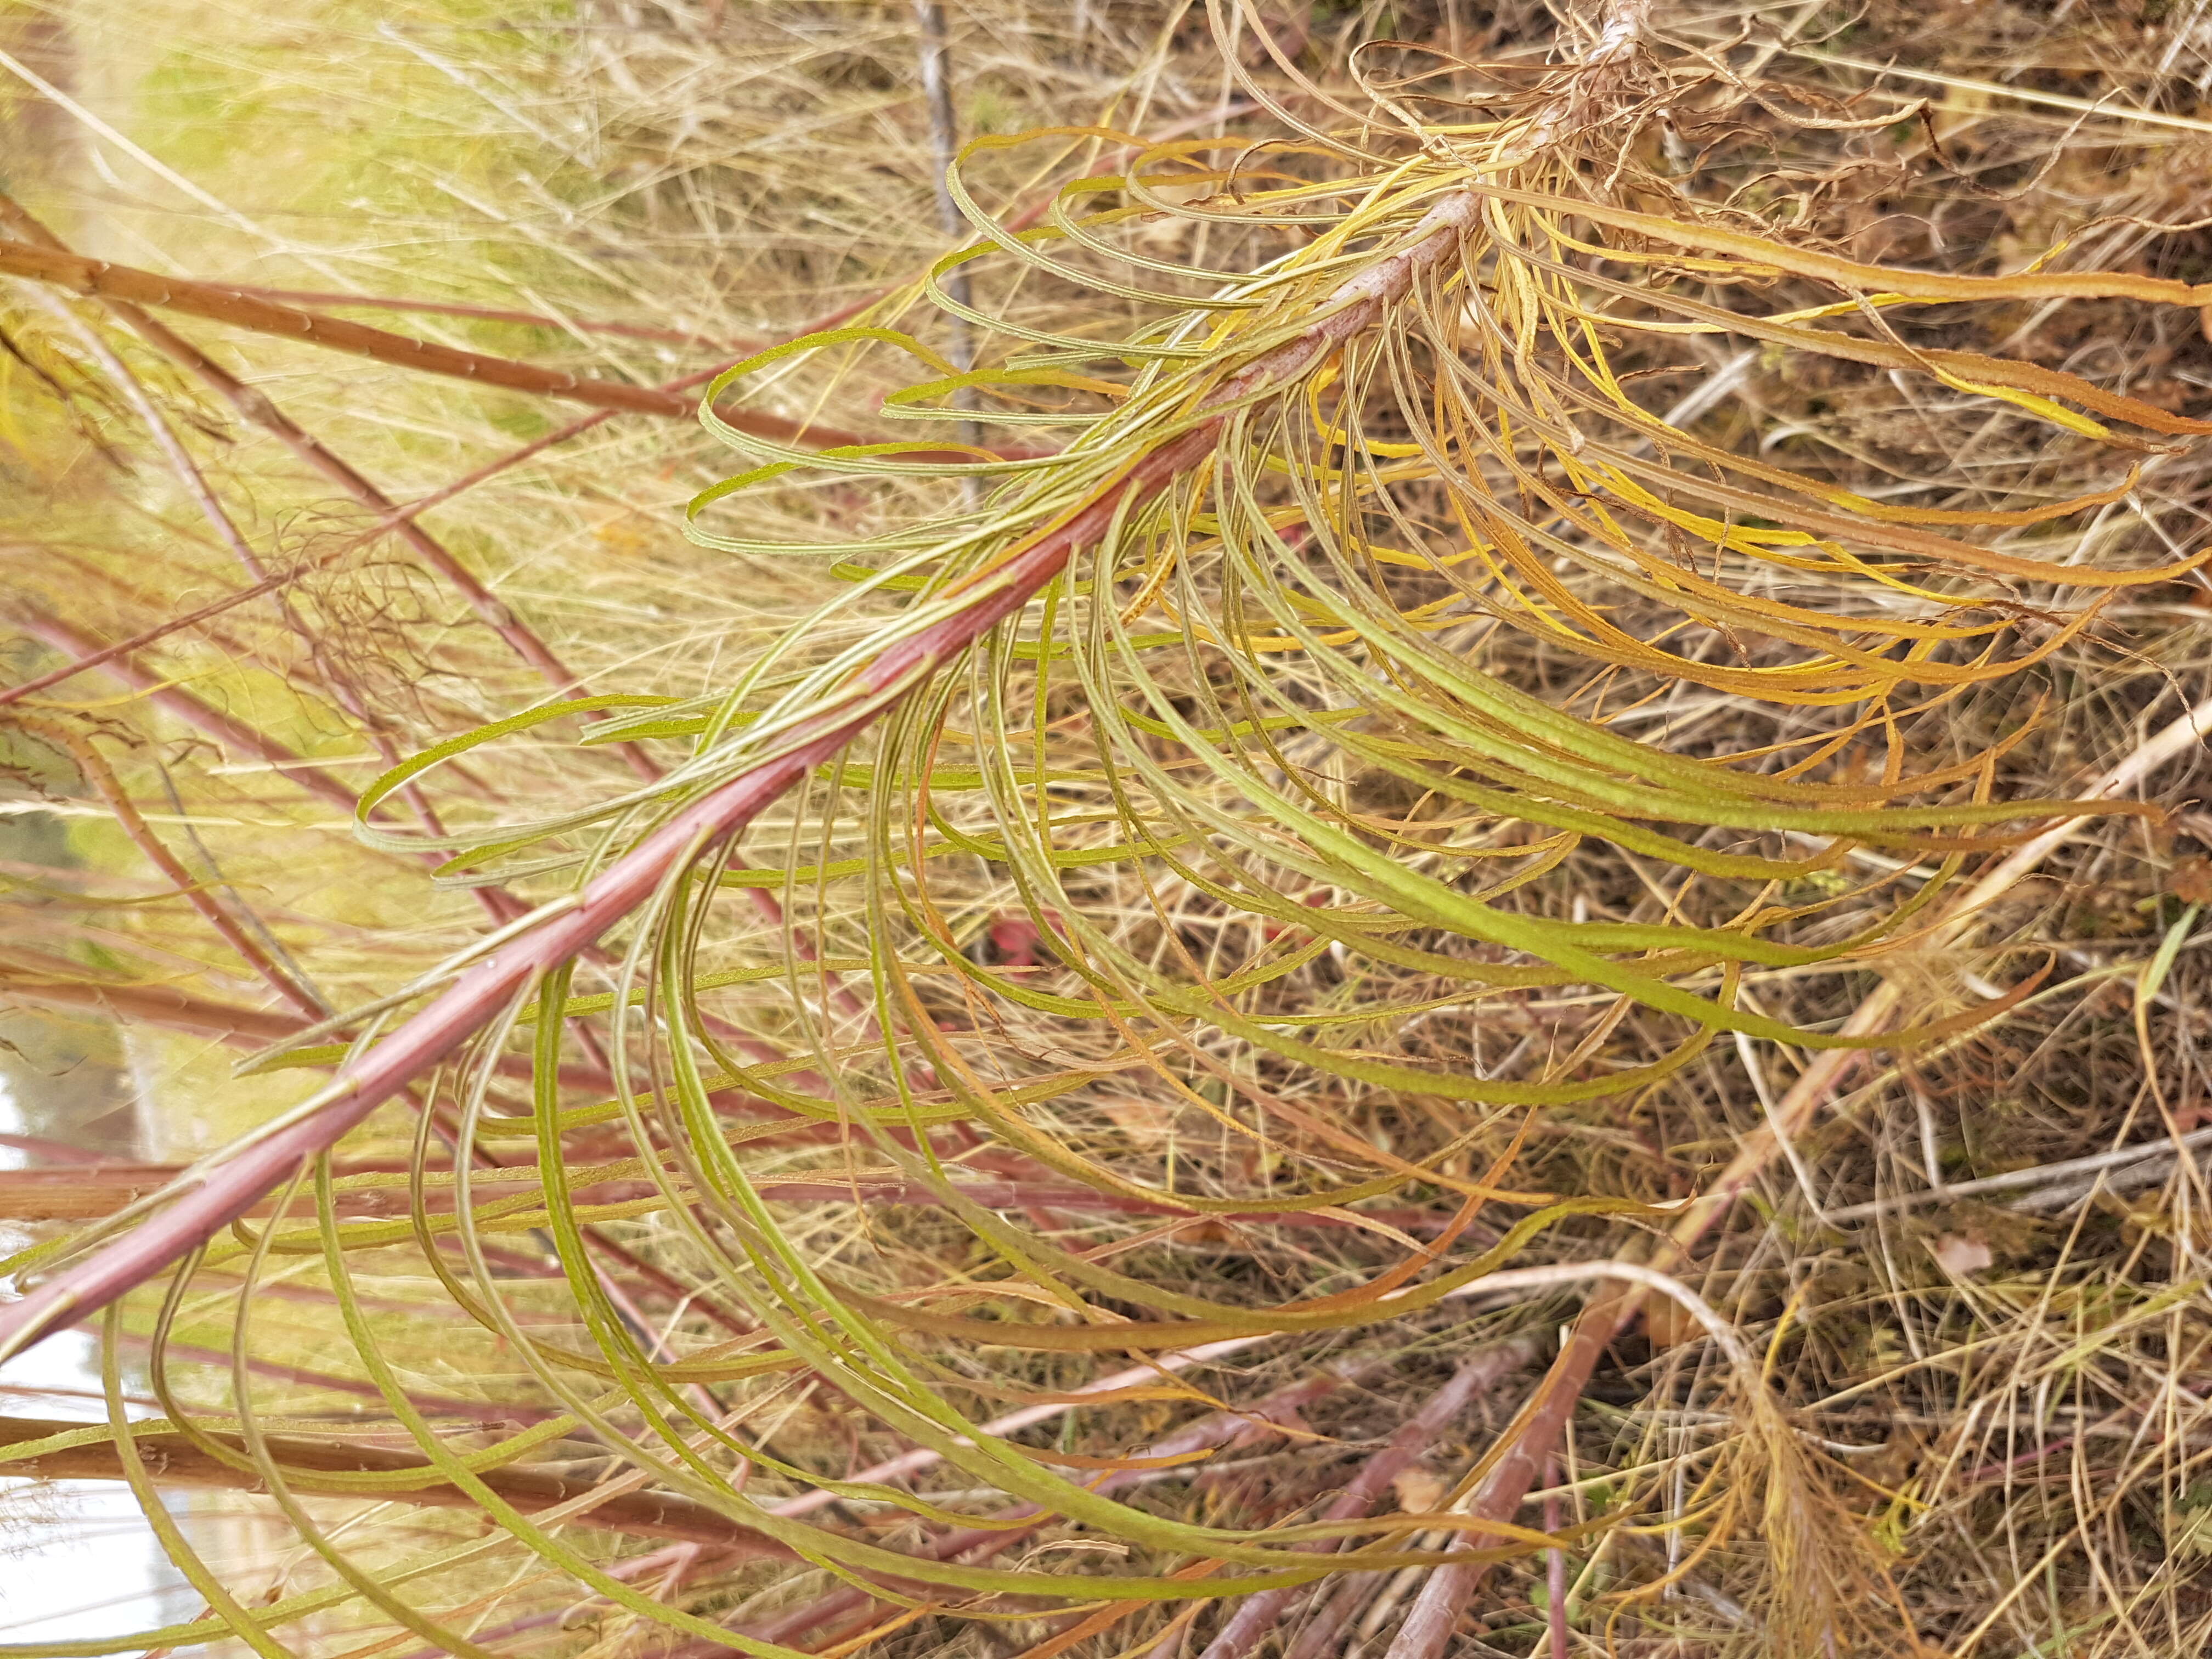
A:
(1258, 1614)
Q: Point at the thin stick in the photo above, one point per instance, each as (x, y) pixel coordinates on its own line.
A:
(2041, 1175)
(979, 1543)
(402, 517)
(2102, 107)
(52, 982)
(490, 314)
(164, 438)
(253, 407)
(107, 654)
(175, 700)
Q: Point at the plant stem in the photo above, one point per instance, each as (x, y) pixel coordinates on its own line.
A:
(402, 517)
(486, 313)
(95, 768)
(97, 279)
(55, 983)
(173, 700)
(1269, 1610)
(255, 407)
(979, 1543)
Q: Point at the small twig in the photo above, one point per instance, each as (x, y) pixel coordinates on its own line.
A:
(164, 436)
(203, 717)
(2041, 1175)
(53, 982)
(490, 315)
(402, 517)
(256, 409)
(107, 654)
(979, 1543)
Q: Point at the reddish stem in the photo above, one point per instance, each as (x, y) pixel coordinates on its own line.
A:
(55, 983)
(251, 406)
(287, 296)
(250, 950)
(255, 407)
(54, 1151)
(98, 279)
(1258, 1614)
(181, 1463)
(976, 1544)
(430, 1404)
(107, 654)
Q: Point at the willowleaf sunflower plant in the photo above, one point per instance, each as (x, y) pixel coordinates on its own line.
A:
(1191, 650)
